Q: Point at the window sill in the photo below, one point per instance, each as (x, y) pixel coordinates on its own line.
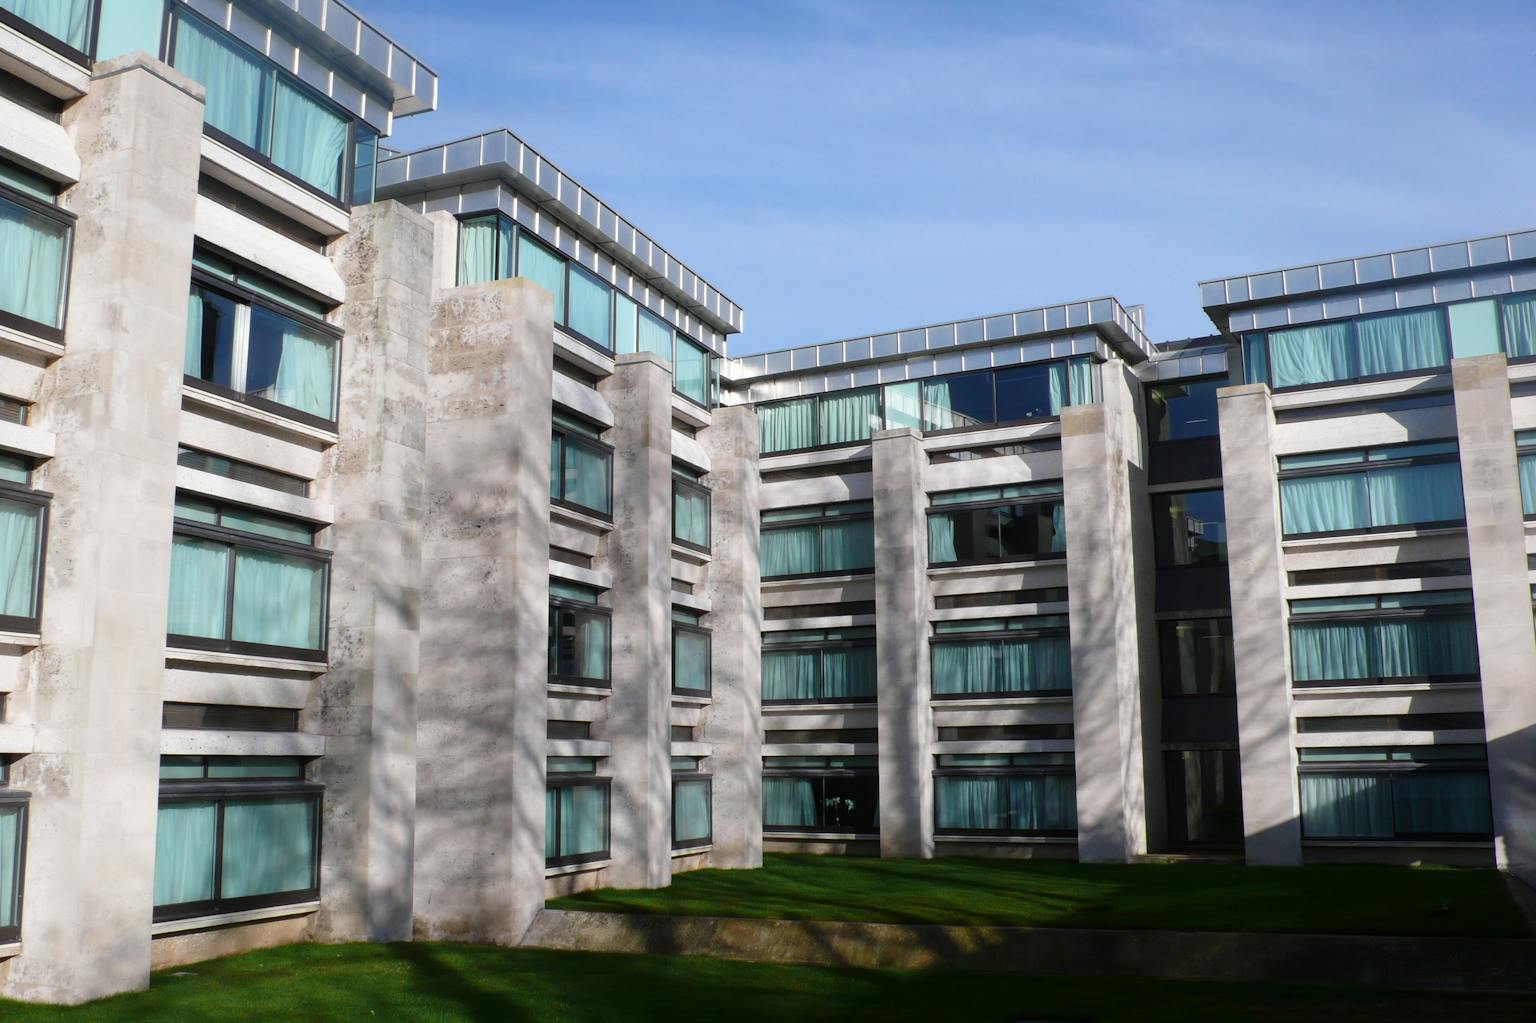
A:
(1004, 839)
(691, 555)
(577, 868)
(245, 660)
(247, 414)
(992, 567)
(571, 517)
(13, 340)
(25, 640)
(1299, 692)
(695, 850)
(561, 689)
(270, 188)
(1355, 539)
(997, 702)
(208, 923)
(780, 585)
(816, 707)
(692, 701)
(690, 412)
(822, 836)
(1394, 843)
(10, 950)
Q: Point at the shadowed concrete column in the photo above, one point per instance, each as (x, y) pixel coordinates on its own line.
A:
(1271, 816)
(1109, 586)
(1501, 594)
(733, 721)
(904, 701)
(639, 555)
(114, 399)
(374, 481)
(481, 706)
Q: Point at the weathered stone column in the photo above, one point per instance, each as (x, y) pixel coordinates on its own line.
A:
(373, 479)
(904, 699)
(639, 555)
(1109, 586)
(481, 707)
(1506, 645)
(733, 721)
(114, 399)
(1271, 813)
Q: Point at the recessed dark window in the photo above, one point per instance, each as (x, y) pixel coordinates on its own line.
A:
(1183, 409)
(554, 729)
(814, 735)
(975, 733)
(1190, 528)
(229, 718)
(1197, 656)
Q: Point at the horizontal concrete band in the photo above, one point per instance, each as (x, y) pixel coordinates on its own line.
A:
(1455, 964)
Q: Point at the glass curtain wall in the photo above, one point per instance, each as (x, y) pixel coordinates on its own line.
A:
(993, 656)
(1371, 489)
(1428, 636)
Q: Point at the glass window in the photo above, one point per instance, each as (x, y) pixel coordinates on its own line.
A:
(1527, 467)
(654, 335)
(233, 588)
(576, 822)
(819, 666)
(1030, 392)
(690, 659)
(996, 532)
(13, 833)
(1413, 485)
(839, 803)
(580, 469)
(239, 85)
(1190, 528)
(1183, 409)
(1037, 803)
(1197, 656)
(1434, 802)
(365, 163)
(691, 798)
(957, 402)
(1428, 636)
(818, 540)
(1323, 353)
(847, 417)
(34, 248)
(591, 314)
(1036, 656)
(68, 21)
(309, 138)
(479, 247)
(626, 325)
(1519, 318)
(542, 266)
(690, 513)
(787, 425)
(690, 369)
(579, 640)
(1205, 797)
(223, 853)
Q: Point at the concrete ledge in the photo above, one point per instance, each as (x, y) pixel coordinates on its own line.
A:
(1451, 964)
(250, 916)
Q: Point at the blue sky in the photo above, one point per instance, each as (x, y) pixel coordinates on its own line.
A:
(842, 167)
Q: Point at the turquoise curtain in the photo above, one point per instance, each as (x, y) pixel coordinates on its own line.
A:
(973, 804)
(1042, 802)
(848, 673)
(199, 586)
(939, 408)
(690, 516)
(690, 371)
(789, 803)
(1416, 493)
(1528, 484)
(478, 239)
(1255, 359)
(1007, 803)
(184, 853)
(787, 425)
(690, 811)
(963, 668)
(1002, 666)
(1058, 528)
(791, 674)
(279, 600)
(1442, 803)
(239, 88)
(18, 557)
(1327, 651)
(538, 264)
(1346, 806)
(192, 360)
(1401, 343)
(306, 372)
(591, 309)
(847, 546)
(592, 646)
(654, 335)
(941, 539)
(790, 551)
(269, 847)
(10, 865)
(586, 477)
(1060, 389)
(1312, 355)
(309, 139)
(65, 20)
(626, 324)
(1416, 647)
(1520, 326)
(33, 250)
(1323, 504)
(583, 819)
(849, 416)
(690, 661)
(551, 837)
(1084, 389)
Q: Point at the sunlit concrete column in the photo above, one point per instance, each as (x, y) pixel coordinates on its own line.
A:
(481, 705)
(1271, 813)
(1109, 585)
(639, 556)
(373, 481)
(1506, 644)
(904, 700)
(733, 721)
(114, 400)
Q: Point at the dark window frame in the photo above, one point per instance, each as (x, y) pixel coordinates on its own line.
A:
(343, 201)
(819, 521)
(221, 794)
(234, 540)
(1389, 769)
(569, 436)
(1012, 771)
(1364, 468)
(682, 778)
(18, 797)
(979, 637)
(581, 779)
(818, 775)
(709, 646)
(562, 605)
(1377, 615)
(819, 646)
(64, 218)
(987, 505)
(24, 494)
(697, 488)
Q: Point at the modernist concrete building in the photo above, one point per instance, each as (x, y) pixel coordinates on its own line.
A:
(308, 635)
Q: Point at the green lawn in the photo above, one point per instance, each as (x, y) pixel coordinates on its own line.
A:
(1194, 897)
(464, 984)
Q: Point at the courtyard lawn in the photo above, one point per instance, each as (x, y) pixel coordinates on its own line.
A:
(1415, 901)
(464, 984)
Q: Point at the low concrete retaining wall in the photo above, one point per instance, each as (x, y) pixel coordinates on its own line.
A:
(1454, 964)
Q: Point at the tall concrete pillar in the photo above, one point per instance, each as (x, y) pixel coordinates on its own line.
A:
(1109, 585)
(733, 721)
(1271, 812)
(639, 556)
(904, 699)
(114, 399)
(373, 479)
(1501, 594)
(481, 707)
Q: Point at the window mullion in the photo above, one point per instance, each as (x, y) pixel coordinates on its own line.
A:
(229, 596)
(218, 851)
(241, 355)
